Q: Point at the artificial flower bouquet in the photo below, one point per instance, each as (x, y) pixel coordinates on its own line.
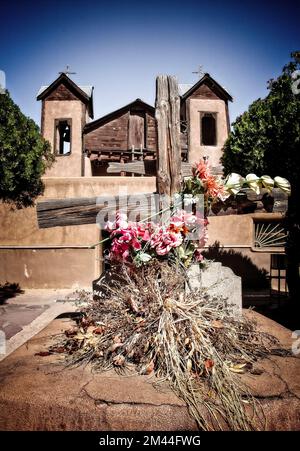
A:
(184, 234)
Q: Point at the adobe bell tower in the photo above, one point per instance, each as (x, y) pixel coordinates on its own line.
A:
(66, 108)
(204, 108)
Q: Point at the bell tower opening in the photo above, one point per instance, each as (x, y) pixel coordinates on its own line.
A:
(63, 129)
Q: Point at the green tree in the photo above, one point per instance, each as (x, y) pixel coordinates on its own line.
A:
(24, 155)
(266, 138)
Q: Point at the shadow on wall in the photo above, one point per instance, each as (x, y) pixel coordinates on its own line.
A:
(9, 290)
(252, 276)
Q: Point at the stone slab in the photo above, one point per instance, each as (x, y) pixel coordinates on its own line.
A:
(217, 280)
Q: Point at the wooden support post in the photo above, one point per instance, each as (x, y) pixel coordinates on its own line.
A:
(167, 114)
(174, 130)
(161, 115)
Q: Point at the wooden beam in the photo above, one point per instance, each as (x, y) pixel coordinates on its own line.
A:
(139, 167)
(78, 211)
(167, 115)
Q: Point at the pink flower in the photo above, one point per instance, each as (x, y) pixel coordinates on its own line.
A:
(198, 256)
(136, 245)
(120, 222)
(163, 241)
(110, 226)
(119, 251)
(213, 187)
(143, 231)
(182, 222)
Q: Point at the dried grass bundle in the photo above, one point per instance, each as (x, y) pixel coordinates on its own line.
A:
(191, 340)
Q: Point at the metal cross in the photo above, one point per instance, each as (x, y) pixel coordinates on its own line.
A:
(67, 71)
(200, 71)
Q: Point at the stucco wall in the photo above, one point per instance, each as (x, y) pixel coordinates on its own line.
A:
(59, 256)
(65, 165)
(231, 241)
(48, 268)
(196, 150)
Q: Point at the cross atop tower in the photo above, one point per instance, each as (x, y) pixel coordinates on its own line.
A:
(199, 71)
(67, 71)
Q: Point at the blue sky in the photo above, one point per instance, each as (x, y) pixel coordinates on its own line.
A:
(120, 46)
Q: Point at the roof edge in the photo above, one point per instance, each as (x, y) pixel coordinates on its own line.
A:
(91, 125)
(201, 81)
(63, 78)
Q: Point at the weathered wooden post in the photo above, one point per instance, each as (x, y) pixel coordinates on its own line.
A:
(174, 131)
(163, 179)
(167, 114)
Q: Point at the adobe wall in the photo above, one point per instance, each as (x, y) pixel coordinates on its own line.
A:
(60, 257)
(196, 150)
(235, 236)
(65, 165)
(57, 257)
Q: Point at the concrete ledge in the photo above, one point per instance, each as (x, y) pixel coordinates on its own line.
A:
(38, 324)
(38, 394)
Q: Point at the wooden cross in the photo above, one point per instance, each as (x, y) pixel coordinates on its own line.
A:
(199, 71)
(67, 71)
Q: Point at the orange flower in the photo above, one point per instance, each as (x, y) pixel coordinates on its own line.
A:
(213, 186)
(202, 170)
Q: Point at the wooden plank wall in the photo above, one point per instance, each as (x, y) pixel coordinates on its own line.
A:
(151, 132)
(62, 93)
(115, 134)
(112, 135)
(204, 92)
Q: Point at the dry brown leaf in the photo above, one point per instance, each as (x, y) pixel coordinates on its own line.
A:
(43, 353)
(119, 360)
(133, 305)
(256, 371)
(148, 369)
(217, 324)
(209, 363)
(71, 332)
(98, 330)
(113, 347)
(59, 350)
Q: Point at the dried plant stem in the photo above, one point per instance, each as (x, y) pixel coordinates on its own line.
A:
(191, 340)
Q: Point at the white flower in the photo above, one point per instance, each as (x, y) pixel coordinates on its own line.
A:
(143, 257)
(253, 182)
(283, 184)
(267, 182)
(234, 183)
